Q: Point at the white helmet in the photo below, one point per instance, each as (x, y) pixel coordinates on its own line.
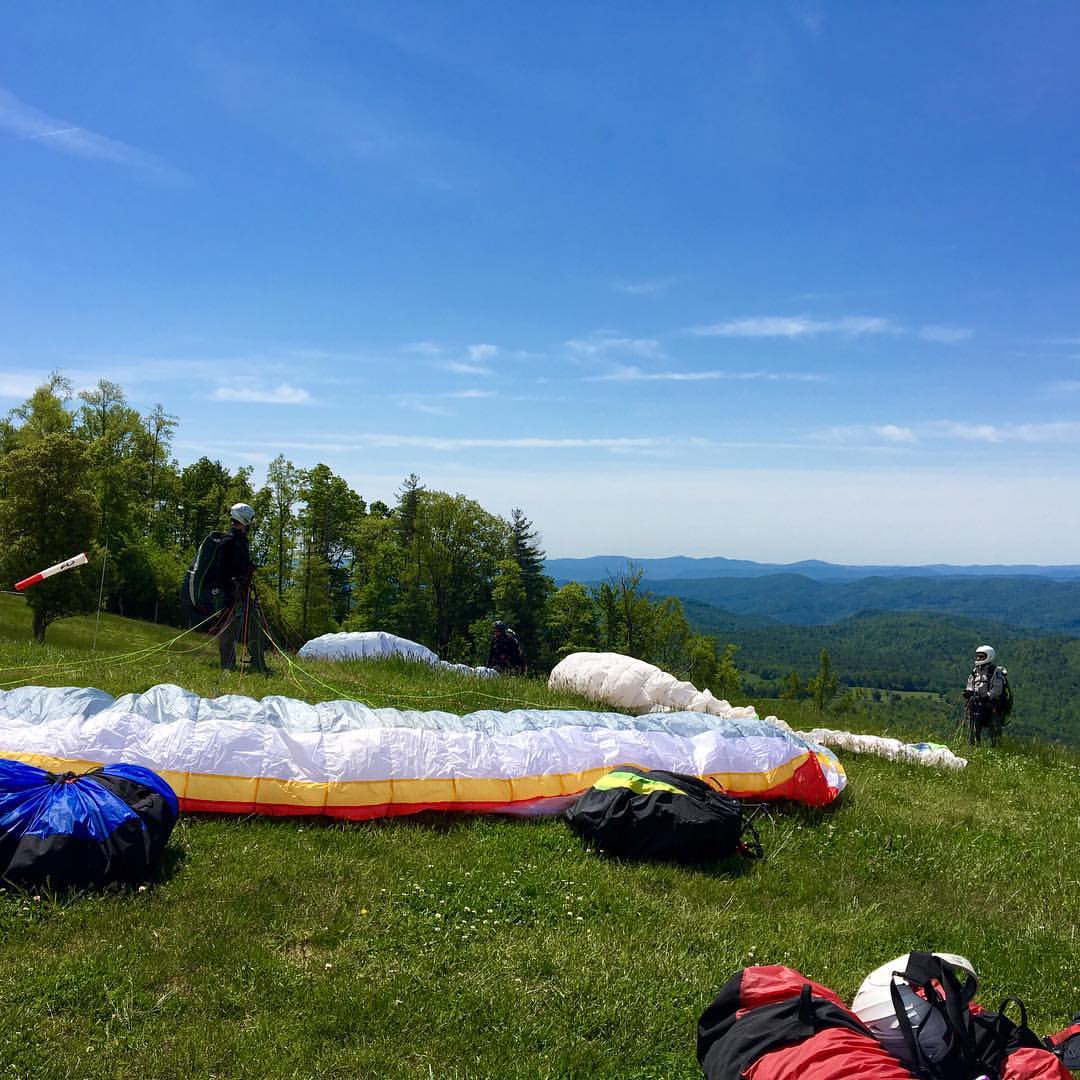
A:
(984, 654)
(242, 512)
(873, 1005)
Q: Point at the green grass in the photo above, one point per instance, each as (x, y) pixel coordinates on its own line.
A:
(483, 947)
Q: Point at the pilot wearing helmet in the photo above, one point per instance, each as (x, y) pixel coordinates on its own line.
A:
(243, 619)
(984, 697)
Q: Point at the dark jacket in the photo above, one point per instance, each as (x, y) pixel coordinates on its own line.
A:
(985, 689)
(505, 653)
(236, 564)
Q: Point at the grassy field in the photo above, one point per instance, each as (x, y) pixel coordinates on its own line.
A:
(482, 947)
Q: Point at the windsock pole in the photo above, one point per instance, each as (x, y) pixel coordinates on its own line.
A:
(59, 568)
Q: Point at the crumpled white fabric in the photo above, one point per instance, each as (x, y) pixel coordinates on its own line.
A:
(882, 746)
(634, 684)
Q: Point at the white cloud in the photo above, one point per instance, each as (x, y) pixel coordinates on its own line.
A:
(605, 341)
(282, 394)
(472, 394)
(424, 407)
(20, 384)
(847, 434)
(421, 348)
(1070, 341)
(1054, 431)
(635, 374)
(29, 123)
(946, 335)
(1066, 386)
(779, 326)
(459, 368)
(483, 352)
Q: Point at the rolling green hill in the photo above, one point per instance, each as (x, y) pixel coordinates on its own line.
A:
(912, 652)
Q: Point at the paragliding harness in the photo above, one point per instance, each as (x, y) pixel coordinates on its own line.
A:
(202, 592)
(653, 814)
(970, 1042)
(776, 1022)
(1066, 1044)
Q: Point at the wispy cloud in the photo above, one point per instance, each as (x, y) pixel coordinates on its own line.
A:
(421, 348)
(643, 288)
(1068, 341)
(472, 394)
(19, 385)
(425, 407)
(604, 342)
(847, 434)
(282, 394)
(29, 123)
(459, 368)
(796, 326)
(483, 352)
(635, 374)
(1066, 386)
(1053, 431)
(946, 335)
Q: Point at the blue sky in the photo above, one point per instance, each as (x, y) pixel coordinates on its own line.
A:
(766, 280)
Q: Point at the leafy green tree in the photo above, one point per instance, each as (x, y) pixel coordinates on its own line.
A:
(727, 682)
(824, 685)
(376, 576)
(792, 688)
(283, 485)
(572, 621)
(48, 514)
(701, 652)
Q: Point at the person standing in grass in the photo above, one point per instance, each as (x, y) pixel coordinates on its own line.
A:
(985, 697)
(243, 617)
(505, 654)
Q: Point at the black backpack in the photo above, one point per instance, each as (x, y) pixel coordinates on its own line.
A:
(203, 579)
(977, 1042)
(1006, 695)
(653, 814)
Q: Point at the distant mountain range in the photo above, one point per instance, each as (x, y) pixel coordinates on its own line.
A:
(1045, 598)
(596, 568)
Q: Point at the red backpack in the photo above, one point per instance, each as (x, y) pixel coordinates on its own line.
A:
(771, 1023)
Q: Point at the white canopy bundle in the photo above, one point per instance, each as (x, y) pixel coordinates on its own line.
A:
(634, 684)
(379, 645)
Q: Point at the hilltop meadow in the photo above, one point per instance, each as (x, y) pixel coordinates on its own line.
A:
(453, 946)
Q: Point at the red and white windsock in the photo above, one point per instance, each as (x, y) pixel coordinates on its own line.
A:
(59, 568)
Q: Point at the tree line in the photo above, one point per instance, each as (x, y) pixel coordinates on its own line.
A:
(88, 472)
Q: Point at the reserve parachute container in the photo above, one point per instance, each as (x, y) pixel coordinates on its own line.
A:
(66, 829)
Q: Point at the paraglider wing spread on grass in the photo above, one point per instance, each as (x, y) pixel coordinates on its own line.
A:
(341, 758)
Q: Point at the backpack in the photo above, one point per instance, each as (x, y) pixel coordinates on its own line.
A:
(653, 814)
(772, 1023)
(1006, 695)
(968, 1041)
(203, 579)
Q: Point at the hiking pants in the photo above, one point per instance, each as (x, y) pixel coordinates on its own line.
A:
(984, 719)
(245, 626)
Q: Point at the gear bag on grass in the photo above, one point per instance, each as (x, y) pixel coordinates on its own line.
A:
(771, 1023)
(1066, 1044)
(938, 1030)
(654, 814)
(203, 579)
(65, 830)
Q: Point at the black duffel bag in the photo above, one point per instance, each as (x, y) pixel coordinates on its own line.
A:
(653, 814)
